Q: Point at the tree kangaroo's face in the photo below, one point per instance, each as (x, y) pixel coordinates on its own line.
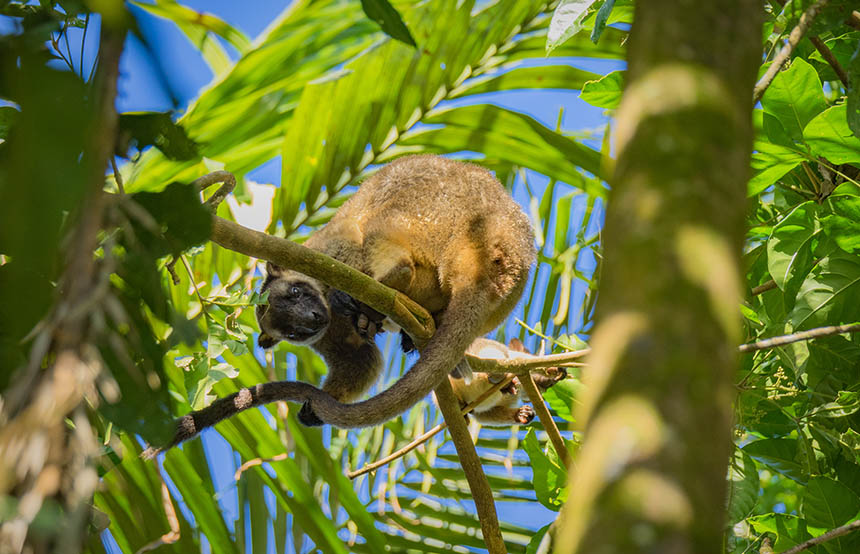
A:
(297, 310)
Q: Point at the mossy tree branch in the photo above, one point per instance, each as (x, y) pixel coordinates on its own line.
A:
(396, 305)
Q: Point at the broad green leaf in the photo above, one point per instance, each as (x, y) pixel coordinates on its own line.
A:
(549, 478)
(789, 530)
(830, 293)
(843, 226)
(600, 19)
(156, 129)
(828, 136)
(789, 248)
(743, 486)
(795, 97)
(828, 503)
(852, 103)
(833, 357)
(849, 474)
(562, 396)
(182, 220)
(781, 455)
(387, 17)
(566, 22)
(606, 91)
(770, 163)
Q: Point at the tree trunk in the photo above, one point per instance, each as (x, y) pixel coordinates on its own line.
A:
(651, 476)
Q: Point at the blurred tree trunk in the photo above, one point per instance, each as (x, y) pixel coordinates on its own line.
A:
(651, 476)
(45, 462)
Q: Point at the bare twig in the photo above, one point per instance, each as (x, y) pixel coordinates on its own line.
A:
(794, 38)
(257, 462)
(832, 534)
(116, 175)
(764, 287)
(480, 487)
(545, 418)
(773, 342)
(429, 434)
(831, 59)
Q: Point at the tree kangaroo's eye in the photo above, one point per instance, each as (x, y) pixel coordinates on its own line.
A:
(294, 291)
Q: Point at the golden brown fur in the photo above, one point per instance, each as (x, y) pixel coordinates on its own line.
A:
(445, 233)
(450, 237)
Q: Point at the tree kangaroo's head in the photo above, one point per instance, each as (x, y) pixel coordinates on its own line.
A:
(297, 311)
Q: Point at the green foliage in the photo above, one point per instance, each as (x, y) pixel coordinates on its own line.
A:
(334, 97)
(344, 98)
(797, 410)
(156, 129)
(388, 19)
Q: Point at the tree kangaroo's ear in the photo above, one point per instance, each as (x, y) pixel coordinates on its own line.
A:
(517, 346)
(273, 270)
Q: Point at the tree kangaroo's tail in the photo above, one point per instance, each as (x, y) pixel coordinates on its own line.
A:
(459, 325)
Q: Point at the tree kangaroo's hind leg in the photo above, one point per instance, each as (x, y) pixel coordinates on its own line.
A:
(390, 260)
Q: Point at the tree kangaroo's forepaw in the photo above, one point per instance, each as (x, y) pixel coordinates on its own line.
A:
(511, 388)
(524, 415)
(308, 417)
(366, 327)
(366, 321)
(553, 376)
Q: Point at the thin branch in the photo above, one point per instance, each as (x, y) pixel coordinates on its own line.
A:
(773, 342)
(831, 59)
(257, 462)
(429, 434)
(522, 366)
(478, 484)
(83, 44)
(116, 176)
(794, 38)
(832, 534)
(194, 284)
(764, 287)
(545, 418)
